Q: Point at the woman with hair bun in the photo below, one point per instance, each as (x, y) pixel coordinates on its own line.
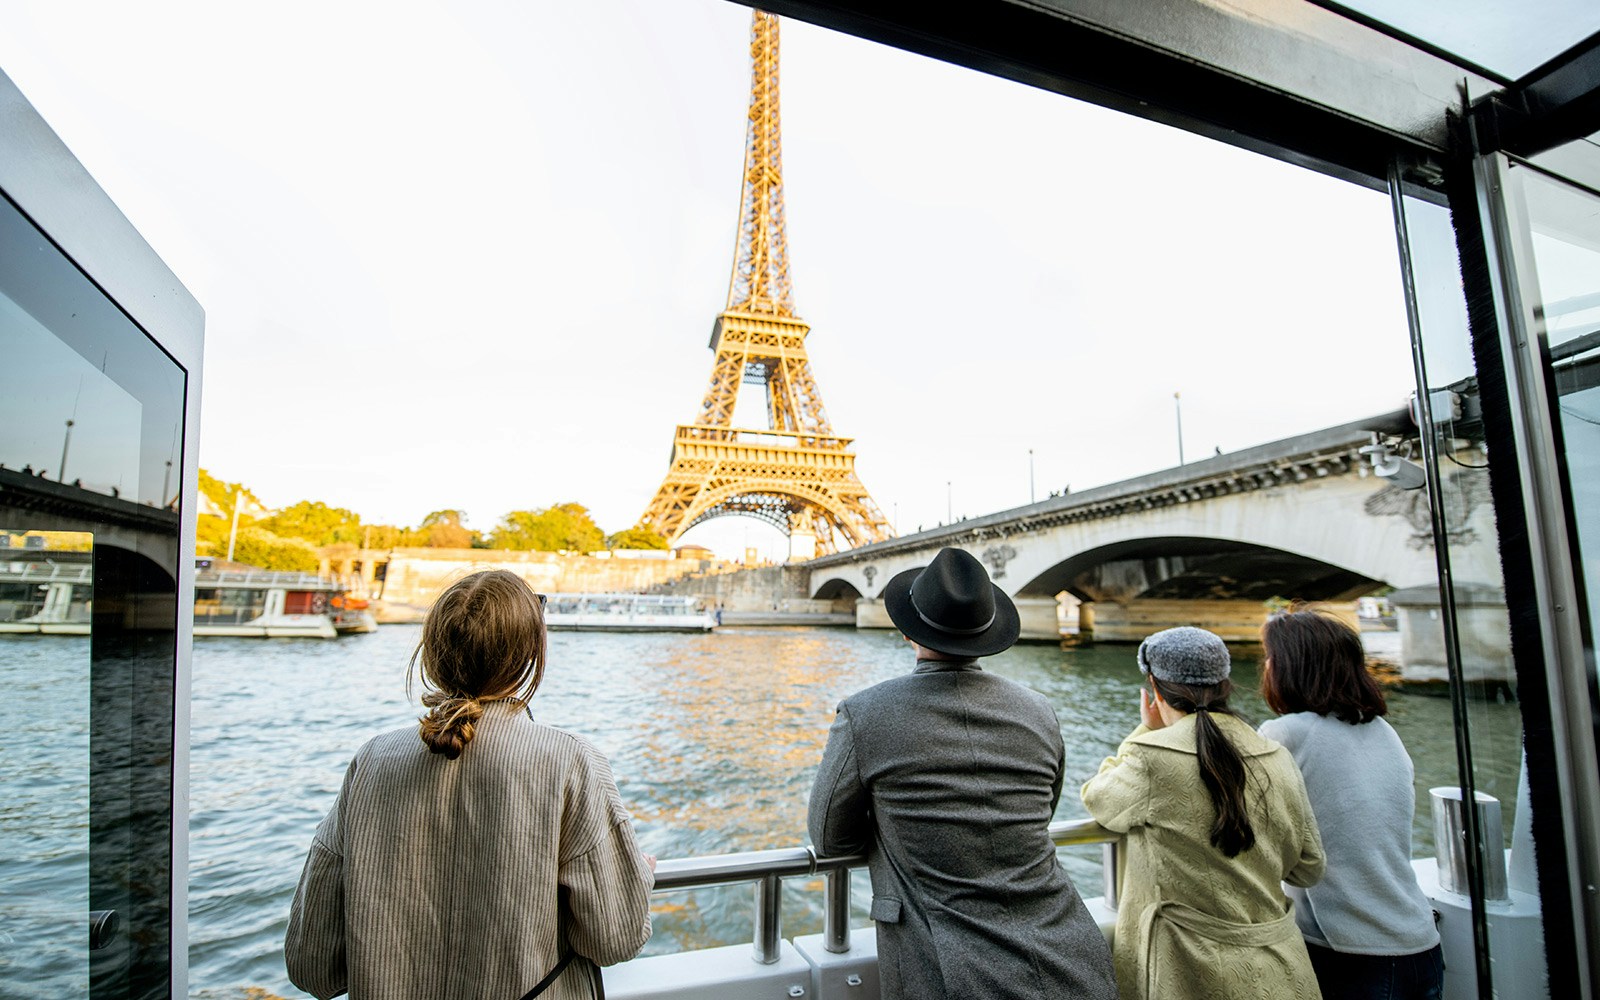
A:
(480, 853)
(1367, 924)
(1215, 817)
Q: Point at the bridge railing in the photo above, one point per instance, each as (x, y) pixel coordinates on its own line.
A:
(768, 869)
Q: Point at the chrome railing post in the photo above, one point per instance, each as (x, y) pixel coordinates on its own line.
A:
(836, 911)
(769, 915)
(1109, 857)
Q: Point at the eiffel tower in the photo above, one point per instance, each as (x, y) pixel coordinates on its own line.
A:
(795, 473)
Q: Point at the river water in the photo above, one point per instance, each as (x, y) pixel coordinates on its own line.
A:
(713, 740)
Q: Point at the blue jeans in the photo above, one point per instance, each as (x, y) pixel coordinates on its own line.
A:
(1343, 976)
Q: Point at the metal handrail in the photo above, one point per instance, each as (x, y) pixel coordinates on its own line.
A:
(36, 572)
(283, 578)
(767, 869)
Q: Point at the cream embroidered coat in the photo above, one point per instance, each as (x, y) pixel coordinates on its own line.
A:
(1193, 924)
(436, 879)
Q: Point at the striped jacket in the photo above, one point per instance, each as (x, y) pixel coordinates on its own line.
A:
(434, 879)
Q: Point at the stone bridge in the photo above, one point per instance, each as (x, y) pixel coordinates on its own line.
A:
(1208, 543)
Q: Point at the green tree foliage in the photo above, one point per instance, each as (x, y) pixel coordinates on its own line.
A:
(221, 494)
(269, 551)
(315, 522)
(564, 527)
(636, 538)
(445, 530)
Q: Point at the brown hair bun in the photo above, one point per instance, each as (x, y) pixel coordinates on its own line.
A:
(483, 641)
(449, 727)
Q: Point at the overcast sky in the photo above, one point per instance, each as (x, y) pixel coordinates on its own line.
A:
(469, 254)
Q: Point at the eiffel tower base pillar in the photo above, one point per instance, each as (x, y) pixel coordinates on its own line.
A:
(802, 546)
(1041, 618)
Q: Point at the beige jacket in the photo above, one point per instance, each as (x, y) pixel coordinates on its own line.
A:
(1193, 924)
(434, 879)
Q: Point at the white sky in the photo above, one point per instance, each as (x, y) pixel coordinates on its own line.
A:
(468, 254)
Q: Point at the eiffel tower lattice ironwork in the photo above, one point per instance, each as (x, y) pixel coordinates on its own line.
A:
(795, 473)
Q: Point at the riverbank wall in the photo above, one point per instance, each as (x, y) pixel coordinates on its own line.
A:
(762, 595)
(403, 583)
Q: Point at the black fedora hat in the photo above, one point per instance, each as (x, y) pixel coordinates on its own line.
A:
(951, 607)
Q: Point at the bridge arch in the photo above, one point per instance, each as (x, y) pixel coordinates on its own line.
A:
(766, 502)
(836, 589)
(1196, 568)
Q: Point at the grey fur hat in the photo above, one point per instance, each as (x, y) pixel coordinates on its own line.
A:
(1185, 655)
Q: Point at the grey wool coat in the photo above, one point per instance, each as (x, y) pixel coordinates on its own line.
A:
(438, 879)
(947, 779)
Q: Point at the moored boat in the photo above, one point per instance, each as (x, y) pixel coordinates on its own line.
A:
(46, 591)
(274, 604)
(627, 613)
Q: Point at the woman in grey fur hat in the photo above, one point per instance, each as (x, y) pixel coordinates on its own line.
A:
(1215, 818)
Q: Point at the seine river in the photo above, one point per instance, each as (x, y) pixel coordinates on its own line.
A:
(713, 740)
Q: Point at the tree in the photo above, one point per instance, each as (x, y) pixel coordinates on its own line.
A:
(221, 494)
(315, 522)
(268, 551)
(636, 537)
(445, 530)
(389, 536)
(564, 527)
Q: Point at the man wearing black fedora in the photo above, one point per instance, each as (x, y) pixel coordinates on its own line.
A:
(947, 779)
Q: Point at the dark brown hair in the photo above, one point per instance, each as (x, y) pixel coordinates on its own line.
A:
(1222, 769)
(1315, 663)
(483, 640)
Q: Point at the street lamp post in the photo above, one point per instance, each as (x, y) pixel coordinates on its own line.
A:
(949, 508)
(1177, 405)
(1030, 475)
(61, 470)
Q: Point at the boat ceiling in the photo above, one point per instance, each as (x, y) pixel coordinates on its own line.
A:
(1342, 88)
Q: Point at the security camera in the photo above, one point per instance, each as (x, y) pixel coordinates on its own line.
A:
(1404, 473)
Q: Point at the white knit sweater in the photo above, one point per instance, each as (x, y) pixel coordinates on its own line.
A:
(1359, 779)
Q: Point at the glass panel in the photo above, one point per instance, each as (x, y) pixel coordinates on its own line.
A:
(45, 582)
(1508, 37)
(1565, 225)
(1466, 629)
(90, 437)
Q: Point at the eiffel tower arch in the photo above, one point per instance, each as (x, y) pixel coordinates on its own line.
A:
(795, 473)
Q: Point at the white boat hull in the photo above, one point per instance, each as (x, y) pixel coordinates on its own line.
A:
(629, 623)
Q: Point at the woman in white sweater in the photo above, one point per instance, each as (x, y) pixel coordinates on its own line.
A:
(1367, 925)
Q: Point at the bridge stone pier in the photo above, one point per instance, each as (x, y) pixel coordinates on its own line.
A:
(1215, 542)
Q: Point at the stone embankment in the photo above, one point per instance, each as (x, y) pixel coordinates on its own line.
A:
(404, 583)
(762, 595)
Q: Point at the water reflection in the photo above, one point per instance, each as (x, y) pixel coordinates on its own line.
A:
(713, 739)
(44, 825)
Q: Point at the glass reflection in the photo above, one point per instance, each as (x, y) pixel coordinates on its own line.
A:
(1488, 719)
(1509, 39)
(44, 870)
(1565, 221)
(93, 407)
(90, 438)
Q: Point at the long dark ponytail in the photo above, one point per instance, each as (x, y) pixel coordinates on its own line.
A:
(1222, 769)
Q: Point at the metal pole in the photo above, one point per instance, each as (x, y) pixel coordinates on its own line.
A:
(1030, 475)
(61, 470)
(1108, 869)
(836, 911)
(769, 896)
(949, 506)
(1177, 405)
(234, 531)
